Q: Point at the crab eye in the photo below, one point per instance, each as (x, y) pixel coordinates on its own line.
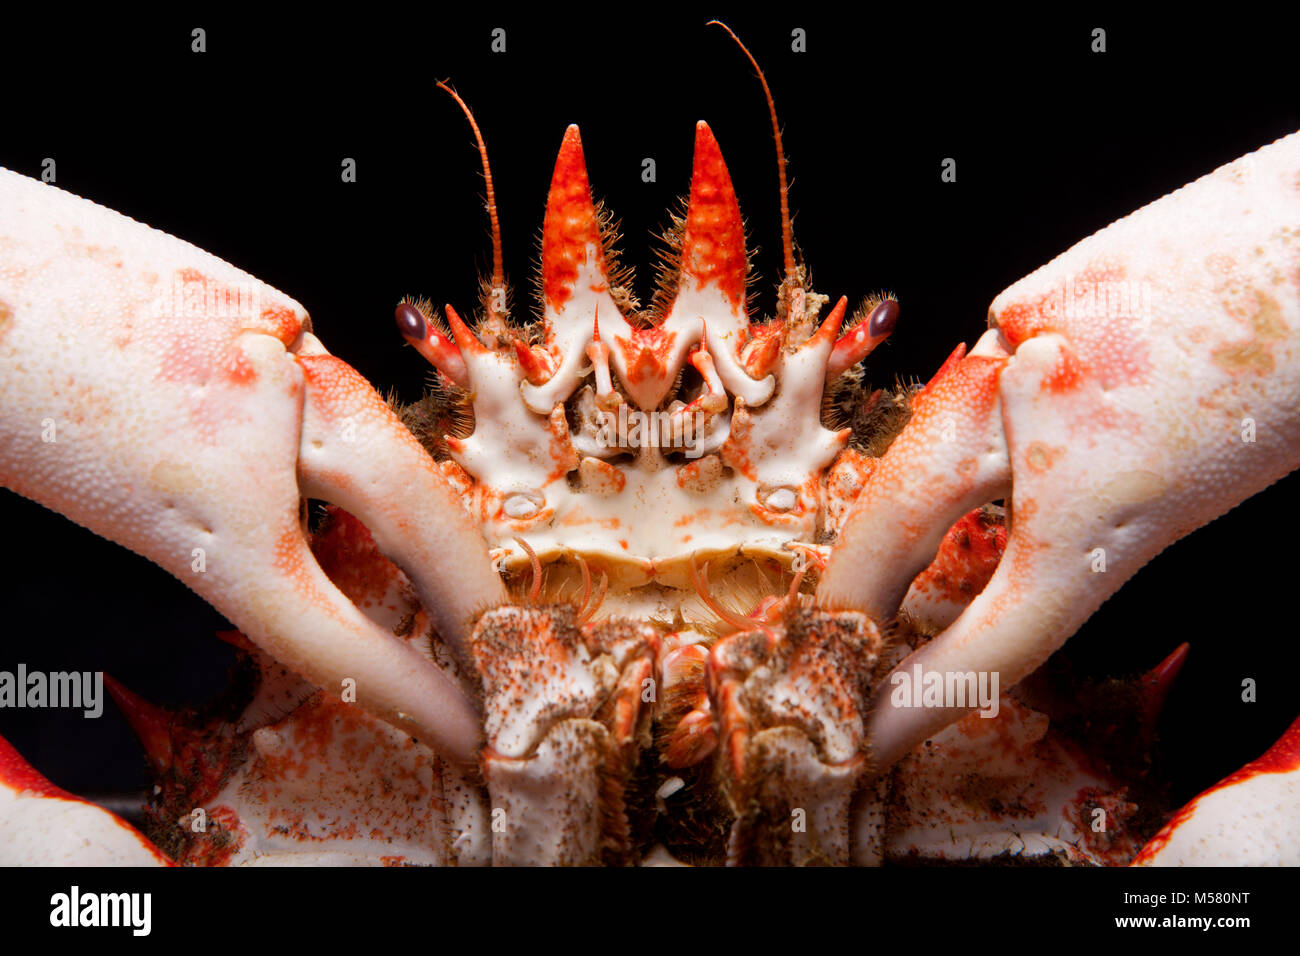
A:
(883, 318)
(523, 504)
(410, 321)
(779, 499)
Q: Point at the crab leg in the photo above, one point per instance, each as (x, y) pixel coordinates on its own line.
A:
(952, 457)
(352, 444)
(1150, 385)
(166, 400)
(1221, 827)
(43, 825)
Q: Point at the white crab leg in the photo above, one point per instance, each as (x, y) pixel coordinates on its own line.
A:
(1152, 385)
(1252, 818)
(157, 395)
(42, 825)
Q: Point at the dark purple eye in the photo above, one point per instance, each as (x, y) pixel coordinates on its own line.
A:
(883, 318)
(411, 323)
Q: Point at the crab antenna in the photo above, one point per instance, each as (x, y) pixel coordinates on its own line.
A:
(498, 274)
(787, 241)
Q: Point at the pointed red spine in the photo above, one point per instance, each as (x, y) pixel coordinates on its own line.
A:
(713, 244)
(152, 724)
(571, 225)
(831, 327)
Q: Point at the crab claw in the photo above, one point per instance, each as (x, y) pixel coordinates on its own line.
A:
(1115, 402)
(162, 398)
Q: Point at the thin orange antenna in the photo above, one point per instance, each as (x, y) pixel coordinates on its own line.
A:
(498, 273)
(787, 240)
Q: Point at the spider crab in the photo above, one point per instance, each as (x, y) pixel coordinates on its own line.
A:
(626, 590)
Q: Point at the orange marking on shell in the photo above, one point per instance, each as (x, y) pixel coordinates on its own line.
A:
(339, 391)
(346, 551)
(282, 322)
(776, 518)
(967, 383)
(1065, 375)
(645, 354)
(1103, 317)
(1040, 457)
(576, 517)
(570, 226)
(288, 560)
(713, 245)
(239, 370)
(948, 365)
(226, 835)
(966, 560)
(210, 315)
(1020, 321)
(688, 474)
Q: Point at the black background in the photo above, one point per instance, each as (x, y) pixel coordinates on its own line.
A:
(239, 149)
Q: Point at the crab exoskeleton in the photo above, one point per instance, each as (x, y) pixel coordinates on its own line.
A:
(643, 602)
